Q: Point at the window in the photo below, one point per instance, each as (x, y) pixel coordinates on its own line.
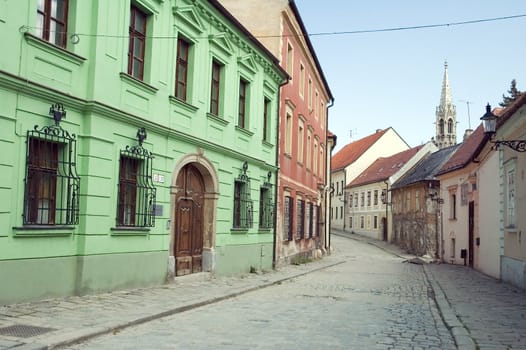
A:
(350, 222)
(308, 219)
(375, 222)
(136, 194)
(417, 200)
(52, 21)
(181, 70)
(510, 198)
(266, 206)
(302, 80)
(341, 211)
(368, 198)
(322, 162)
(215, 87)
(309, 92)
(453, 206)
(452, 254)
(362, 199)
(51, 194)
(290, 59)
(301, 137)
(266, 119)
(242, 201)
(441, 126)
(362, 222)
(242, 115)
(309, 149)
(288, 206)
(356, 199)
(288, 136)
(315, 166)
(300, 217)
(375, 198)
(137, 43)
(316, 105)
(450, 126)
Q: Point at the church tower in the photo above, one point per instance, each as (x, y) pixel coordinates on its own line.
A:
(446, 116)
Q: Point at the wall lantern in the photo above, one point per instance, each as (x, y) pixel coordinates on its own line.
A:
(58, 112)
(489, 122)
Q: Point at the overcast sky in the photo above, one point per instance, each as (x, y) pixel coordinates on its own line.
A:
(394, 78)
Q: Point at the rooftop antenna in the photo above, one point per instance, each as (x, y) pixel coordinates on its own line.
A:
(469, 117)
(352, 133)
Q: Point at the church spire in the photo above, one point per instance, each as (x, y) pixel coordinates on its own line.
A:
(446, 116)
(445, 97)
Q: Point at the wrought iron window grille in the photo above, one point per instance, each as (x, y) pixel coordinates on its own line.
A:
(136, 192)
(288, 218)
(52, 185)
(266, 204)
(243, 206)
(300, 224)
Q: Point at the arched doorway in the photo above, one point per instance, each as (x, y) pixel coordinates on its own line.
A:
(194, 196)
(189, 212)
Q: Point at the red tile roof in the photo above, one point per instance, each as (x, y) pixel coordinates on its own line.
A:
(383, 168)
(465, 153)
(352, 151)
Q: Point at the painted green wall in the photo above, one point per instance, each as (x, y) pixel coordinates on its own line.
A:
(105, 107)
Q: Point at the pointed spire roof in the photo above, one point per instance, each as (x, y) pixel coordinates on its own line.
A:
(445, 96)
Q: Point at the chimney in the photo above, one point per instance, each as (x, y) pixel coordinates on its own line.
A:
(467, 133)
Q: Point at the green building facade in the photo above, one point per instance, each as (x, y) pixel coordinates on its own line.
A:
(138, 143)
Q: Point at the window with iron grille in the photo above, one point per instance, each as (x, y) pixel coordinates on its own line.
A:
(181, 70)
(300, 219)
(243, 206)
(315, 215)
(266, 206)
(52, 185)
(52, 21)
(136, 193)
(288, 209)
(137, 42)
(308, 218)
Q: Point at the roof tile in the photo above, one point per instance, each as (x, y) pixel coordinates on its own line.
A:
(352, 151)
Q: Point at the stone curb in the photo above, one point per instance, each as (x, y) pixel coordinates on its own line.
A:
(459, 332)
(83, 335)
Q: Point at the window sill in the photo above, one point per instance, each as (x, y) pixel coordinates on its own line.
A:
(452, 219)
(184, 104)
(244, 131)
(267, 144)
(239, 230)
(53, 49)
(129, 231)
(264, 230)
(511, 229)
(217, 119)
(43, 231)
(138, 83)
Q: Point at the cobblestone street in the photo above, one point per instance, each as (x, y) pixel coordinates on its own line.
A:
(363, 296)
(371, 301)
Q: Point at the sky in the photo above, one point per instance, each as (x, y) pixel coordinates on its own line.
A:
(394, 78)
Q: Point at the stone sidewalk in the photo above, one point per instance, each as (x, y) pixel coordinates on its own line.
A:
(481, 312)
(55, 323)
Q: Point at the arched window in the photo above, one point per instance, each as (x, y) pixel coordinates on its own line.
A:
(441, 126)
(450, 126)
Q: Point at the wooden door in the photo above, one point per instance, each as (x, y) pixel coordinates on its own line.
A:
(189, 221)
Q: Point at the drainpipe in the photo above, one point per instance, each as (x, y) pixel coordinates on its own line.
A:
(277, 193)
(327, 232)
(386, 209)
